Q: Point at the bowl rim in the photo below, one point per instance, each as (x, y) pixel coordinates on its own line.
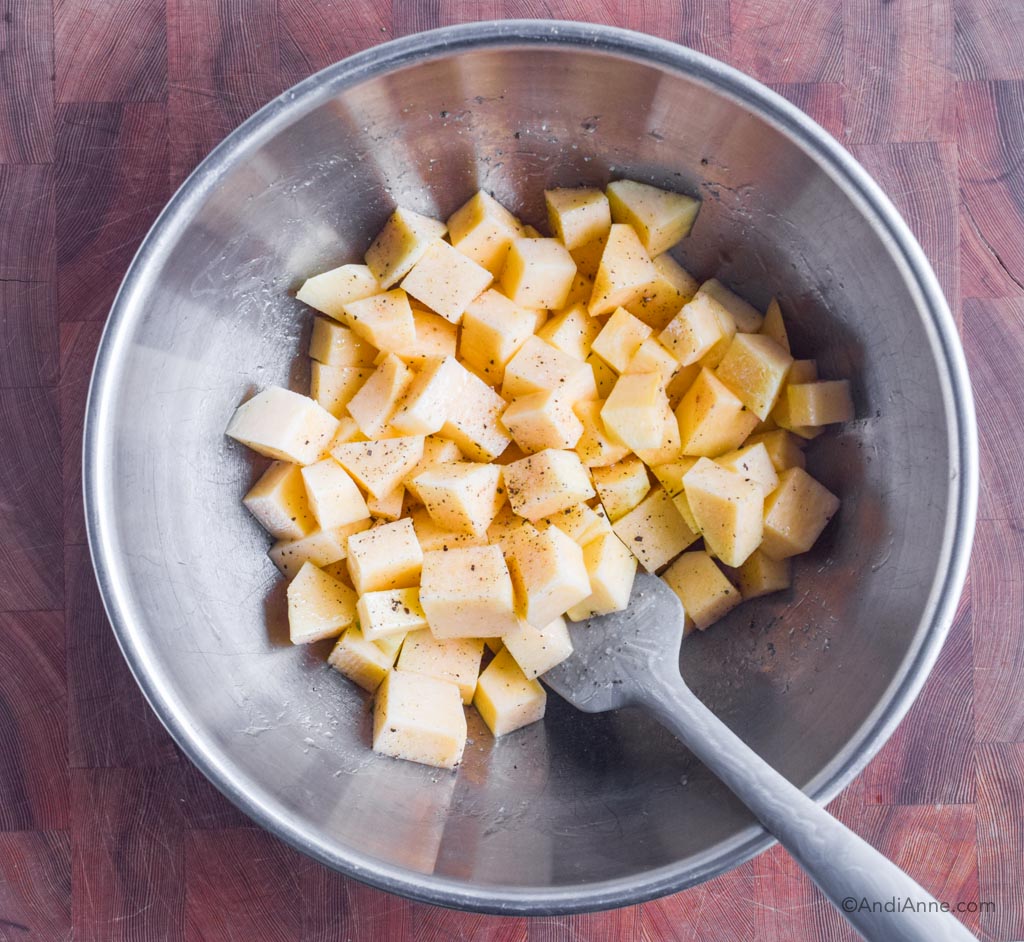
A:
(931, 305)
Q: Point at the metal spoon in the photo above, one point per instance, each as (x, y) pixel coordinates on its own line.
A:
(631, 658)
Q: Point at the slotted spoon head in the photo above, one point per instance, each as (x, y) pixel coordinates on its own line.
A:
(615, 657)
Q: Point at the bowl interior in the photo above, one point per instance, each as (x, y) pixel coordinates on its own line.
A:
(560, 813)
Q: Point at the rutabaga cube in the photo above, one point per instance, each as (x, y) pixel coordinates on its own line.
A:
(384, 320)
(548, 573)
(466, 592)
(333, 386)
(321, 548)
(406, 236)
(611, 568)
(380, 467)
(420, 719)
(390, 506)
(748, 319)
(538, 273)
(503, 528)
(652, 357)
(572, 330)
(334, 344)
(670, 476)
(364, 662)
(542, 420)
(538, 366)
(596, 447)
(331, 290)
(654, 530)
(754, 368)
(462, 496)
(664, 296)
(385, 557)
(453, 660)
(506, 698)
(795, 513)
(390, 612)
(784, 449)
(762, 575)
(697, 329)
(588, 257)
(820, 403)
(545, 483)
(493, 330)
(624, 273)
(621, 486)
(474, 422)
(436, 450)
(446, 281)
(620, 338)
(436, 338)
(727, 508)
(278, 501)
(702, 587)
(333, 496)
(634, 412)
(482, 229)
(375, 403)
(537, 650)
(318, 606)
(578, 216)
(582, 523)
(282, 424)
(660, 217)
(669, 447)
(434, 537)
(712, 419)
(430, 398)
(753, 463)
(773, 325)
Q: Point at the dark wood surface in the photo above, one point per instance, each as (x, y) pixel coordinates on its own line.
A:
(106, 832)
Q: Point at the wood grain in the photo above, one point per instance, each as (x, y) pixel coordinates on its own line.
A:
(35, 886)
(988, 39)
(1001, 838)
(26, 105)
(799, 42)
(26, 223)
(30, 327)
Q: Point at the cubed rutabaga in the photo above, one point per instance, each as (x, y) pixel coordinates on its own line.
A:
(462, 496)
(621, 486)
(537, 650)
(578, 216)
(318, 606)
(420, 719)
(773, 325)
(582, 522)
(331, 290)
(435, 537)
(753, 463)
(670, 446)
(389, 506)
(436, 450)
(660, 217)
(379, 467)
(542, 420)
(334, 344)
(545, 483)
(663, 297)
(652, 357)
(670, 476)
(596, 447)
(754, 368)
(453, 660)
(654, 530)
(748, 319)
(538, 273)
(762, 575)
(278, 501)
(364, 662)
(384, 320)
(406, 236)
(572, 330)
(430, 398)
(538, 366)
(820, 403)
(702, 587)
(321, 548)
(620, 338)
(282, 424)
(712, 419)
(634, 412)
(474, 421)
(623, 274)
(378, 398)
(795, 513)
(611, 568)
(482, 229)
(681, 382)
(493, 330)
(333, 386)
(697, 329)
(466, 592)
(333, 496)
(504, 527)
(446, 281)
(506, 698)
(588, 257)
(435, 338)
(348, 431)
(604, 375)
(783, 449)
(548, 573)
(385, 557)
(727, 508)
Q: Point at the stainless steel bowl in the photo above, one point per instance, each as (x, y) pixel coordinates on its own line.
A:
(581, 812)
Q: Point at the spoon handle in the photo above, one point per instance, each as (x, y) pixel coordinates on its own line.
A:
(856, 878)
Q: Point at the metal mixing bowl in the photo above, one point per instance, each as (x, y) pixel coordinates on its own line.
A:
(580, 812)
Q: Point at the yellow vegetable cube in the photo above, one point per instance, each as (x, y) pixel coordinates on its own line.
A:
(621, 486)
(453, 660)
(430, 397)
(611, 568)
(620, 338)
(661, 218)
(436, 338)
(588, 257)
(623, 274)
(278, 501)
(669, 448)
(670, 476)
(348, 431)
(795, 513)
(474, 421)
(420, 719)
(436, 450)
(378, 398)
(754, 368)
(681, 382)
(385, 557)
(548, 573)
(406, 236)
(663, 297)
(783, 449)
(542, 420)
(578, 216)
(604, 375)
(538, 366)
(652, 357)
(820, 403)
(538, 273)
(334, 344)
(596, 447)
(493, 330)
(384, 320)
(466, 592)
(712, 419)
(379, 467)
(773, 325)
(654, 530)
(754, 464)
(572, 331)
(333, 496)
(435, 537)
(318, 606)
(748, 319)
(282, 424)
(537, 650)
(634, 412)
(506, 698)
(727, 508)
(446, 281)
(696, 330)
(506, 524)
(545, 483)
(329, 291)
(702, 587)
(390, 506)
(334, 386)
(321, 548)
(463, 496)
(482, 229)
(762, 575)
(365, 663)
(581, 523)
